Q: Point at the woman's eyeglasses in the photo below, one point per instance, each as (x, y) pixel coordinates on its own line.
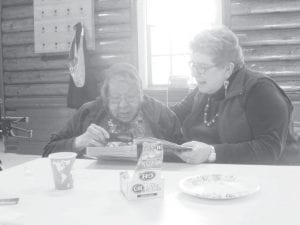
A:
(199, 69)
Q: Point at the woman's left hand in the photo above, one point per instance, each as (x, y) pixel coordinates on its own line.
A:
(199, 153)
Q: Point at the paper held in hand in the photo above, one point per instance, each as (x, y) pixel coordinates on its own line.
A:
(146, 180)
(126, 152)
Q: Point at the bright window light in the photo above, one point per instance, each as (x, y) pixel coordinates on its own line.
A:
(171, 25)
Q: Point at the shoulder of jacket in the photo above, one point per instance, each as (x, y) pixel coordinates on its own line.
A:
(91, 107)
(254, 77)
(155, 109)
(151, 103)
(151, 107)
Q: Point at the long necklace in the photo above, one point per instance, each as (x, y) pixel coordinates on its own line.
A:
(206, 110)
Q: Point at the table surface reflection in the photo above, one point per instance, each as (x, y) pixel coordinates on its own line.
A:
(96, 196)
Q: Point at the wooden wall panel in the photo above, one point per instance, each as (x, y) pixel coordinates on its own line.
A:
(107, 60)
(18, 12)
(114, 46)
(6, 3)
(242, 7)
(36, 77)
(35, 90)
(17, 38)
(269, 52)
(49, 102)
(269, 37)
(113, 17)
(103, 18)
(18, 51)
(22, 64)
(2, 109)
(264, 21)
(36, 85)
(113, 31)
(269, 32)
(17, 25)
(117, 45)
(104, 5)
(270, 66)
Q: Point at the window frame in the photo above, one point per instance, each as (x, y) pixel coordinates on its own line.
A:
(144, 42)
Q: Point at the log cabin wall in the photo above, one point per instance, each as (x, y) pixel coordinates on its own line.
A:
(269, 32)
(36, 85)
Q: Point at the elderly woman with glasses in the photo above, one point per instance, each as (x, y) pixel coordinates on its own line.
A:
(122, 108)
(234, 115)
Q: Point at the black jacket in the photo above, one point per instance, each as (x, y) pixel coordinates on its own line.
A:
(253, 122)
(163, 123)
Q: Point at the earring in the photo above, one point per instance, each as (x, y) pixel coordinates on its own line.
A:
(226, 83)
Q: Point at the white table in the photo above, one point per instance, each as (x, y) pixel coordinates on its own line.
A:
(96, 197)
(13, 159)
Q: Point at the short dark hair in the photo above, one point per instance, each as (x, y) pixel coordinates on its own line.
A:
(120, 70)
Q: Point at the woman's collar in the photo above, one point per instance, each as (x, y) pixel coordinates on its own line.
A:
(220, 94)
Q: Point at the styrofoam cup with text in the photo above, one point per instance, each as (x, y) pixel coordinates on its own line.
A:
(61, 164)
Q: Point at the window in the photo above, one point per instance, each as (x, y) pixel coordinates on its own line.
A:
(165, 29)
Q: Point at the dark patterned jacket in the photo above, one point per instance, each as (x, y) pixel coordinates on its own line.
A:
(162, 121)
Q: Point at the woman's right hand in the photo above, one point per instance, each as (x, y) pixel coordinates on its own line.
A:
(199, 154)
(94, 136)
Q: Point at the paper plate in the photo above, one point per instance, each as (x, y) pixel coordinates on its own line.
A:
(218, 186)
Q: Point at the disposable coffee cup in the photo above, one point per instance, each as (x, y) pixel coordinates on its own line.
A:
(61, 164)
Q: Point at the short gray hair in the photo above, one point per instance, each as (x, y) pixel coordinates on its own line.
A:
(221, 44)
(120, 70)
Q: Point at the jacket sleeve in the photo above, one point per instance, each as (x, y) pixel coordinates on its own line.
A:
(171, 125)
(268, 115)
(163, 122)
(183, 108)
(63, 140)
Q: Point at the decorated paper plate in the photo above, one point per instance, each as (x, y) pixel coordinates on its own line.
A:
(218, 186)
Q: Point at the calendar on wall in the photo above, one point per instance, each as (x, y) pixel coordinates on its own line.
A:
(54, 21)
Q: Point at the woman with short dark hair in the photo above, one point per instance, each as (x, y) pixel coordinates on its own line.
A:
(121, 108)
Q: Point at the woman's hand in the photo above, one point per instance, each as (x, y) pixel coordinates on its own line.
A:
(94, 136)
(199, 153)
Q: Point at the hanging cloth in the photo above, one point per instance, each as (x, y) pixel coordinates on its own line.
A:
(82, 84)
(77, 57)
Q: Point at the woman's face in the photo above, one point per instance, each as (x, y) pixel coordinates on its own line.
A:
(124, 99)
(209, 76)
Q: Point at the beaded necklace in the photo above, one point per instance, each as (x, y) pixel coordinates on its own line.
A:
(135, 127)
(205, 118)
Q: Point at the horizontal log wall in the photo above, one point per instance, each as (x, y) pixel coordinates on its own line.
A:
(36, 85)
(269, 32)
